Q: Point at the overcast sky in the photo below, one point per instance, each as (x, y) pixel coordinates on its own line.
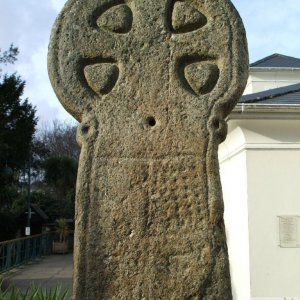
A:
(273, 26)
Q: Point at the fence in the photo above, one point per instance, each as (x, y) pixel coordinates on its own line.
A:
(20, 251)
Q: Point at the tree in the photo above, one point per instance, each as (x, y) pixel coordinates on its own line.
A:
(17, 117)
(17, 123)
(9, 56)
(60, 177)
(17, 128)
(60, 140)
(55, 163)
(61, 173)
(55, 192)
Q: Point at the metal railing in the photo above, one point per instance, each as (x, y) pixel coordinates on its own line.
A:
(20, 251)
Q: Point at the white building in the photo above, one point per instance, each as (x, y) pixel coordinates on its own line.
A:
(260, 173)
(273, 72)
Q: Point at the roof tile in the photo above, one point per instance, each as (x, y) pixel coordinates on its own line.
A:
(285, 95)
(277, 61)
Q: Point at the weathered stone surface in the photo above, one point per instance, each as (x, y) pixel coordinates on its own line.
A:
(151, 91)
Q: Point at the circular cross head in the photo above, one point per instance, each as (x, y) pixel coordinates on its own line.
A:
(102, 51)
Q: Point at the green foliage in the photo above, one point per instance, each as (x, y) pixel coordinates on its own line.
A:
(62, 229)
(9, 56)
(60, 175)
(55, 163)
(17, 117)
(53, 157)
(17, 123)
(8, 225)
(34, 293)
(17, 128)
(61, 172)
(60, 139)
(54, 209)
(11, 205)
(39, 153)
(8, 195)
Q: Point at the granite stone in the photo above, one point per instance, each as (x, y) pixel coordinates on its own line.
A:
(151, 83)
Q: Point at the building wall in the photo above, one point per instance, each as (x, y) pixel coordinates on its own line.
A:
(267, 163)
(234, 181)
(275, 271)
(265, 80)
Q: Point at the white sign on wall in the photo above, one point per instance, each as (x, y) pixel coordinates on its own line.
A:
(288, 231)
(27, 230)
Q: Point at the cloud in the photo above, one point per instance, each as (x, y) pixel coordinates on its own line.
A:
(29, 24)
(38, 89)
(271, 25)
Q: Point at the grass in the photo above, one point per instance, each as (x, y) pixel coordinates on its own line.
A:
(33, 293)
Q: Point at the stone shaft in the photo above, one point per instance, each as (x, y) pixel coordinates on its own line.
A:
(151, 83)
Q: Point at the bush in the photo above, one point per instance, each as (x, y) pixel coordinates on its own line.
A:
(34, 293)
(9, 226)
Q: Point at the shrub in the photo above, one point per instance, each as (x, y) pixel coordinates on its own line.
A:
(34, 293)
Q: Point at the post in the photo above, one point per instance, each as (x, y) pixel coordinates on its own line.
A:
(27, 229)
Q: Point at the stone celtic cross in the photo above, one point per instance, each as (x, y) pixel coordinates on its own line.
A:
(151, 83)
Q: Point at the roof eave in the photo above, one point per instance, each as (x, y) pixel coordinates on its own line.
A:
(268, 69)
(262, 111)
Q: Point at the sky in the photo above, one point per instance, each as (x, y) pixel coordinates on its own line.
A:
(272, 26)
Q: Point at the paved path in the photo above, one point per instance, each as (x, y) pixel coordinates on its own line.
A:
(47, 273)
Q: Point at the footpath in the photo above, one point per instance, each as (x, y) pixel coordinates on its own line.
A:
(46, 273)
